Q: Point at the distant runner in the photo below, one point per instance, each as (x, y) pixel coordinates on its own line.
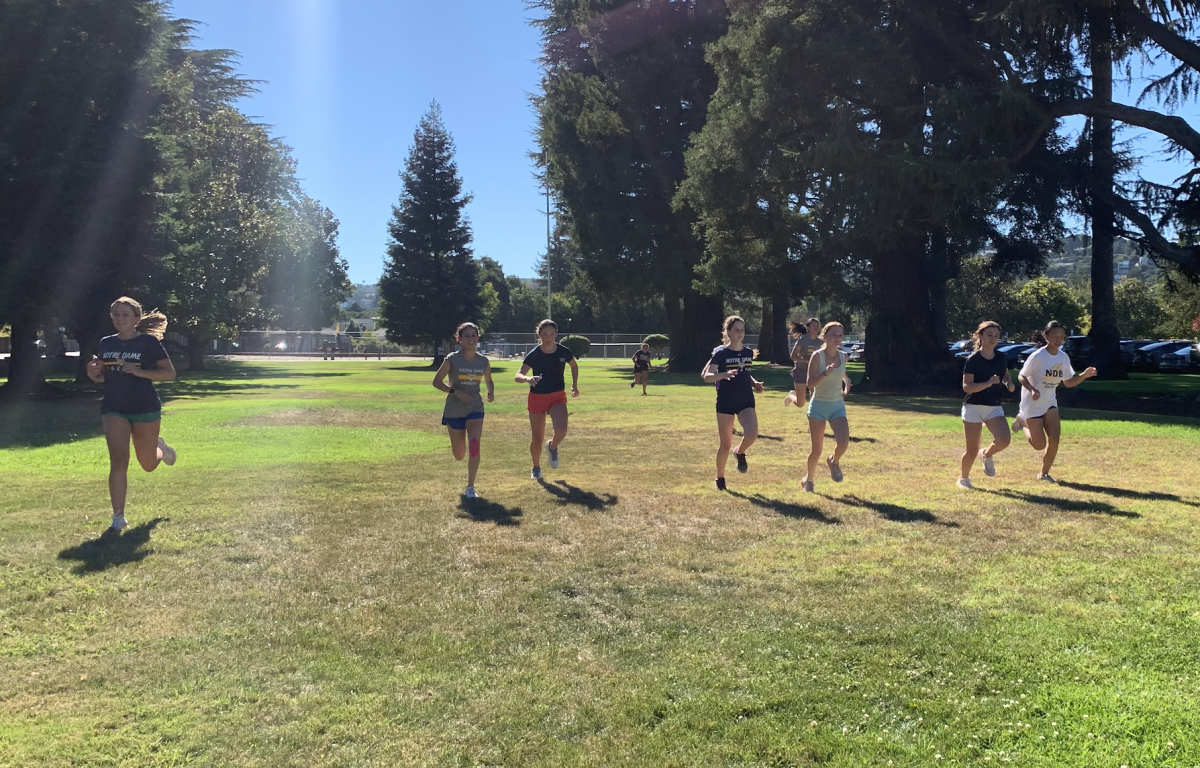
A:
(807, 342)
(729, 369)
(547, 393)
(641, 367)
(463, 413)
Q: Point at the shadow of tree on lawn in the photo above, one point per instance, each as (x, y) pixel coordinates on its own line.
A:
(484, 511)
(1066, 505)
(894, 512)
(112, 548)
(566, 493)
(787, 508)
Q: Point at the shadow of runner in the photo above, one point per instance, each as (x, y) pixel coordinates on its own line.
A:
(894, 512)
(1125, 493)
(112, 548)
(787, 508)
(484, 511)
(566, 493)
(1067, 505)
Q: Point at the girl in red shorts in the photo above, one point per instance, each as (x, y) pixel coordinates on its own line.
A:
(547, 393)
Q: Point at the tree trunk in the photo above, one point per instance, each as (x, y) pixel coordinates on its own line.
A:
(766, 333)
(25, 374)
(939, 283)
(903, 348)
(781, 353)
(195, 352)
(699, 330)
(1104, 334)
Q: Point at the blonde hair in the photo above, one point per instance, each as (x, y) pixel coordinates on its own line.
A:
(829, 325)
(978, 335)
(725, 326)
(152, 323)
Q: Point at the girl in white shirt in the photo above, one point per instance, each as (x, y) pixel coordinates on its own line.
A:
(1044, 370)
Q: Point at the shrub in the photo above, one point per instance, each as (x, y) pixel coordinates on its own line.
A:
(579, 345)
(658, 343)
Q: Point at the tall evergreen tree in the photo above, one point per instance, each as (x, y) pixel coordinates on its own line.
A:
(431, 280)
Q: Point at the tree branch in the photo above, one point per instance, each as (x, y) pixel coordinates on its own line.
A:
(1175, 128)
(1186, 258)
(1166, 38)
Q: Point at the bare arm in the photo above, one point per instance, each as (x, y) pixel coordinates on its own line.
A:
(574, 376)
(970, 387)
(441, 374)
(522, 378)
(711, 376)
(1079, 378)
(491, 388)
(163, 370)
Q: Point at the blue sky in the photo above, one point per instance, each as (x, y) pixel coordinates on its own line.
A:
(346, 83)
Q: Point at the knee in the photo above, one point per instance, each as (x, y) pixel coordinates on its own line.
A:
(1002, 442)
(118, 463)
(459, 452)
(148, 463)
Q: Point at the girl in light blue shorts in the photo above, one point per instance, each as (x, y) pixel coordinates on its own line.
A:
(829, 384)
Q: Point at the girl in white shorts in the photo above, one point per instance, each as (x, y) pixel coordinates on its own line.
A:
(1044, 370)
(985, 377)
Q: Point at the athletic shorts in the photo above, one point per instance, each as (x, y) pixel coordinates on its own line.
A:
(734, 406)
(977, 414)
(136, 418)
(543, 403)
(826, 410)
(636, 369)
(455, 422)
(1036, 409)
(800, 375)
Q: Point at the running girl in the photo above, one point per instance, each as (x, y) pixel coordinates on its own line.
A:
(830, 384)
(1044, 370)
(985, 377)
(641, 367)
(130, 361)
(463, 412)
(806, 343)
(547, 393)
(729, 369)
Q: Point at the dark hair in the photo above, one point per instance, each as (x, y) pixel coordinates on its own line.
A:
(1039, 337)
(798, 328)
(544, 323)
(975, 337)
(458, 331)
(725, 326)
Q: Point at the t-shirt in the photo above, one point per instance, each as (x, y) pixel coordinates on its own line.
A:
(983, 370)
(807, 345)
(740, 360)
(641, 361)
(1045, 372)
(550, 367)
(464, 376)
(123, 392)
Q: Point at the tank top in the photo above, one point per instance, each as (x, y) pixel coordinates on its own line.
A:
(465, 377)
(830, 388)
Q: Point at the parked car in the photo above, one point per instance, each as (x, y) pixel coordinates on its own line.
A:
(1149, 357)
(1129, 348)
(1014, 352)
(962, 346)
(1185, 360)
(1078, 348)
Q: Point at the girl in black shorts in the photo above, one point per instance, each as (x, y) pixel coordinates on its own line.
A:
(641, 367)
(729, 370)
(129, 362)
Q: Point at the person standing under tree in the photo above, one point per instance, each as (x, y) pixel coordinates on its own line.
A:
(641, 367)
(729, 369)
(131, 411)
(463, 413)
(547, 393)
(985, 377)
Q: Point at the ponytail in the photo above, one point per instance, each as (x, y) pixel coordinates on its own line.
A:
(153, 323)
(1039, 337)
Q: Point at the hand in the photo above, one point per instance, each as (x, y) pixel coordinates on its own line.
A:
(731, 373)
(491, 396)
(845, 389)
(758, 387)
(533, 380)
(993, 381)
(1089, 373)
(1036, 395)
(574, 391)
(95, 369)
(831, 368)
(134, 370)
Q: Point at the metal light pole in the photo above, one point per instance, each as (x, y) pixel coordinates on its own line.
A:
(549, 303)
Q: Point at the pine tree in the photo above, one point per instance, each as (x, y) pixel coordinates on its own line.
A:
(431, 281)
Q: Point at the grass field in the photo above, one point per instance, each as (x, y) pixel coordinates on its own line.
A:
(307, 587)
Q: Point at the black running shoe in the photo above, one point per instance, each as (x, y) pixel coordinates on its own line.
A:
(720, 483)
(743, 467)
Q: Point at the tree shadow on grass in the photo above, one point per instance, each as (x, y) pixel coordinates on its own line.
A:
(484, 511)
(1066, 505)
(787, 508)
(43, 424)
(894, 512)
(566, 493)
(772, 438)
(1125, 493)
(112, 548)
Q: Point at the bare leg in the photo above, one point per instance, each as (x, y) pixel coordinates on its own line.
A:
(537, 426)
(1001, 437)
(145, 444)
(458, 443)
(725, 431)
(117, 433)
(1053, 429)
(816, 433)
(841, 433)
(974, 432)
(1035, 433)
(558, 417)
(474, 432)
(749, 421)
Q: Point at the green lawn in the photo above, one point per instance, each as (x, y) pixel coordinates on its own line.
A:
(307, 587)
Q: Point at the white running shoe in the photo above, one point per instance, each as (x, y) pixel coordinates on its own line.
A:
(807, 485)
(1047, 479)
(989, 464)
(791, 399)
(470, 494)
(118, 522)
(965, 482)
(1018, 424)
(169, 454)
(835, 469)
(553, 454)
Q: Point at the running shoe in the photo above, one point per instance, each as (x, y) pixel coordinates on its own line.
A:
(1018, 424)
(965, 482)
(553, 455)
(470, 494)
(835, 469)
(807, 485)
(631, 384)
(791, 399)
(535, 473)
(1047, 479)
(169, 454)
(743, 467)
(118, 522)
(989, 465)
(720, 483)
